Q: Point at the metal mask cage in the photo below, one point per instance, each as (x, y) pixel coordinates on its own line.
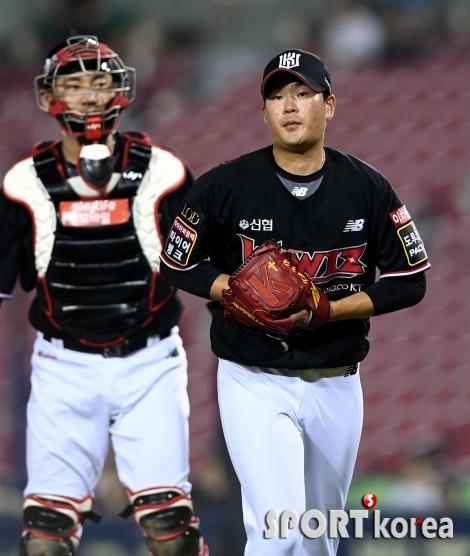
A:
(85, 56)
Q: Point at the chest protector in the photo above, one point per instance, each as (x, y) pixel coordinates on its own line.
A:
(98, 278)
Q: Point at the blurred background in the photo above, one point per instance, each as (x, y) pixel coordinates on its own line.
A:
(401, 73)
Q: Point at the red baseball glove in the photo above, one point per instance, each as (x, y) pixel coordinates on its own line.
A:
(267, 291)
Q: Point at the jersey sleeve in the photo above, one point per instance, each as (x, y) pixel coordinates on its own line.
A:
(170, 203)
(189, 239)
(400, 250)
(192, 244)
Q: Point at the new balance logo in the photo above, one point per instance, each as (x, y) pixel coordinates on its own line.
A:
(354, 225)
(289, 60)
(351, 370)
(299, 191)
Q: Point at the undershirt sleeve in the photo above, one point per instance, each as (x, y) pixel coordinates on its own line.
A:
(16, 247)
(393, 294)
(197, 280)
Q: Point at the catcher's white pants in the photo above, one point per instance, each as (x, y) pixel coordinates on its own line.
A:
(79, 401)
(293, 439)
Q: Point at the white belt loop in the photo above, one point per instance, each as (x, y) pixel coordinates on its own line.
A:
(54, 341)
(57, 343)
(152, 340)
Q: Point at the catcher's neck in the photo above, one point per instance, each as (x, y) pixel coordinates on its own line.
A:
(300, 164)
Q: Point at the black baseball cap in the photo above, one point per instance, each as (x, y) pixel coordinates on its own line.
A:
(309, 68)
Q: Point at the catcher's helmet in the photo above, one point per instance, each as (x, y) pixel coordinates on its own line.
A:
(85, 55)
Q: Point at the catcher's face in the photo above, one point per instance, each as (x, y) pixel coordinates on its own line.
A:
(297, 115)
(83, 93)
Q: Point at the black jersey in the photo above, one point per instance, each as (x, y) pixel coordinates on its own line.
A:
(353, 224)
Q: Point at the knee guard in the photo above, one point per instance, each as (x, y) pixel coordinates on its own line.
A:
(53, 524)
(166, 518)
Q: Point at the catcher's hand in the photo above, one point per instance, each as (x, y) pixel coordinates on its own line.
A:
(269, 293)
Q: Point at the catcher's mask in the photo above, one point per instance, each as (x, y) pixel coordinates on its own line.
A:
(84, 55)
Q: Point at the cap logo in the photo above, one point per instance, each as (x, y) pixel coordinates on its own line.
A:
(289, 60)
(327, 82)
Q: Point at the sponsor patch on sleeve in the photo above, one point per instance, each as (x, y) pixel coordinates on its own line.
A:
(400, 216)
(412, 244)
(180, 242)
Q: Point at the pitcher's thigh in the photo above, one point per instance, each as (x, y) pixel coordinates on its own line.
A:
(266, 449)
(331, 439)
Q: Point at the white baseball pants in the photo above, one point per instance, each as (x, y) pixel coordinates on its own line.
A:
(293, 439)
(79, 401)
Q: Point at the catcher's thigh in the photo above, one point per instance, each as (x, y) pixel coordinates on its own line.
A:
(293, 442)
(150, 431)
(77, 399)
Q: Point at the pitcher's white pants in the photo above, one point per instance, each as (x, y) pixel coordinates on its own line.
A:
(293, 439)
(79, 401)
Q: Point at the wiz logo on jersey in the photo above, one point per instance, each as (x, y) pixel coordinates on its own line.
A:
(321, 266)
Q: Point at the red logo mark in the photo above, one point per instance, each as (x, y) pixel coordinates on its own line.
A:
(266, 286)
(93, 127)
(47, 355)
(337, 263)
(369, 501)
(321, 266)
(418, 521)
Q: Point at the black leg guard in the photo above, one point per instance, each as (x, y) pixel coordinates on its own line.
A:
(52, 524)
(165, 516)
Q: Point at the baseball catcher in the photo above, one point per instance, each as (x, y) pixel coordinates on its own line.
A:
(81, 222)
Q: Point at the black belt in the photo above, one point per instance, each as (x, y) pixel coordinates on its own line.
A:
(126, 347)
